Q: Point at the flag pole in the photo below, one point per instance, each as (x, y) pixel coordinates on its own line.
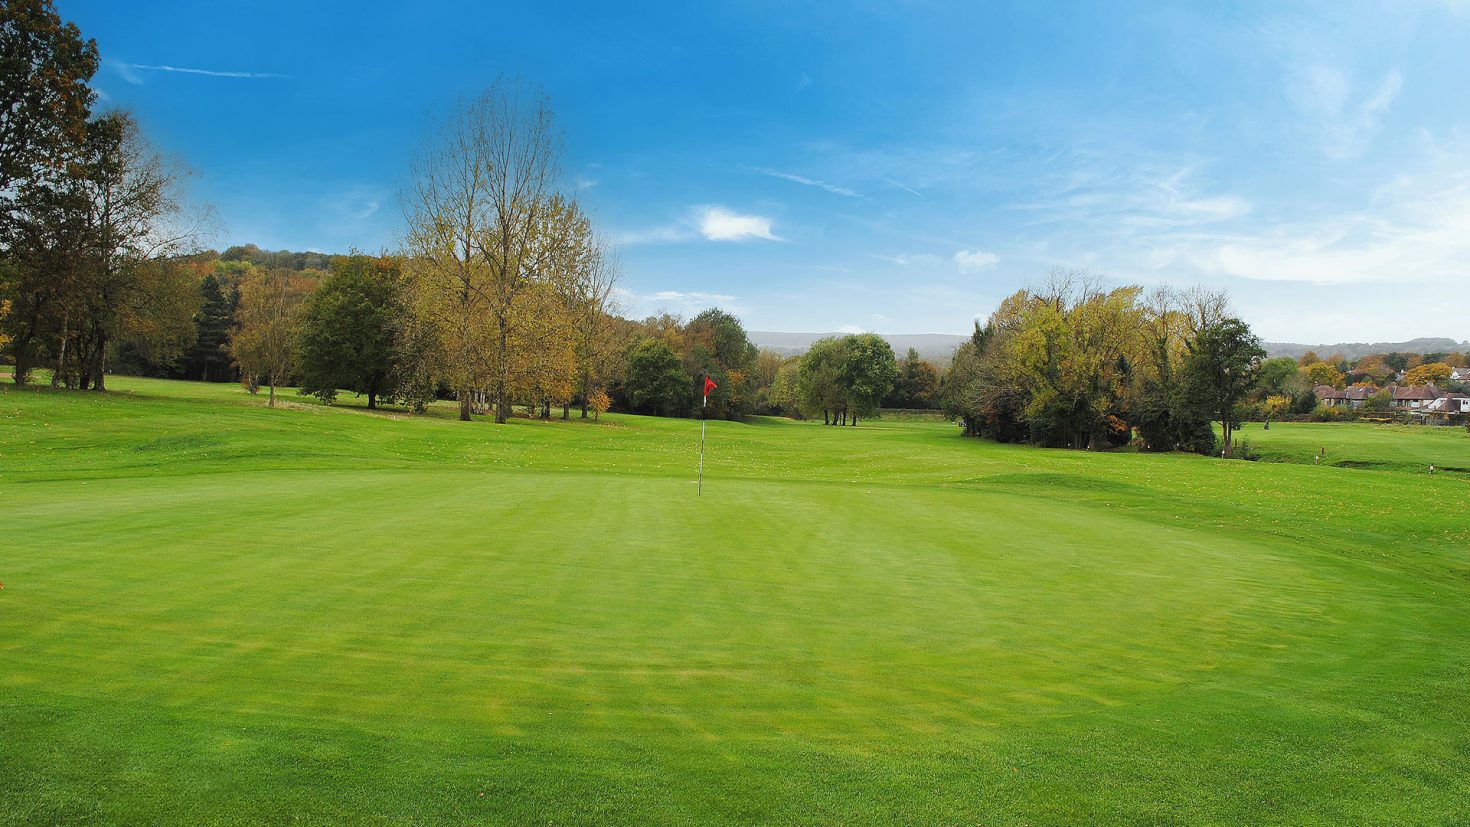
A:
(703, 420)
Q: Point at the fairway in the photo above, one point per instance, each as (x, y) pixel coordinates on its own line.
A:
(218, 613)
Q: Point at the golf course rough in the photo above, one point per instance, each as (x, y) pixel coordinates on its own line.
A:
(218, 613)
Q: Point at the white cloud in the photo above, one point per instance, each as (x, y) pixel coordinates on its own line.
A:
(969, 262)
(1324, 97)
(133, 72)
(653, 235)
(906, 188)
(812, 182)
(905, 259)
(850, 328)
(585, 183)
(717, 223)
(1419, 231)
(678, 302)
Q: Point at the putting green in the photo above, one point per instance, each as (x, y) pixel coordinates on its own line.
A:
(217, 613)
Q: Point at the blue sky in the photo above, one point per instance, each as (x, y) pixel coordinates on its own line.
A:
(893, 167)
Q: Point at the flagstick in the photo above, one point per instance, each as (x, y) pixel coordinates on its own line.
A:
(703, 420)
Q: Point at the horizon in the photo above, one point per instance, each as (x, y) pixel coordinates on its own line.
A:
(1312, 161)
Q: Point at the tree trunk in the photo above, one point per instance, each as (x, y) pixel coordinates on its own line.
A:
(373, 393)
(825, 420)
(22, 364)
(99, 369)
(464, 406)
(61, 353)
(566, 410)
(271, 402)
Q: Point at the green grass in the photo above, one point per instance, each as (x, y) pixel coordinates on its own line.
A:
(1364, 445)
(218, 613)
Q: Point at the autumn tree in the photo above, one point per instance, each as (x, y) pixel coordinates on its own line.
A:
(1323, 373)
(1428, 374)
(487, 225)
(45, 95)
(266, 339)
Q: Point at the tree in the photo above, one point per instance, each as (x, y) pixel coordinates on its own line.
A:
(266, 340)
(486, 226)
(917, 383)
(1323, 373)
(1278, 377)
(717, 346)
(1167, 417)
(819, 380)
(867, 373)
(45, 96)
(1428, 374)
(785, 393)
(349, 329)
(208, 360)
(1221, 369)
(656, 379)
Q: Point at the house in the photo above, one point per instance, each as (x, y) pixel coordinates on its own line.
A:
(1413, 398)
(1329, 396)
(1450, 403)
(1354, 397)
(1460, 374)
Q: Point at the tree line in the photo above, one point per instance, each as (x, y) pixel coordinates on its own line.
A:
(1075, 364)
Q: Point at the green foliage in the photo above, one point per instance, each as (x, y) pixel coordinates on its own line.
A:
(209, 359)
(1278, 377)
(655, 379)
(867, 372)
(1221, 370)
(917, 383)
(350, 329)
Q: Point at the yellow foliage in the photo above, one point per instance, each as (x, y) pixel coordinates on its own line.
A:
(1426, 374)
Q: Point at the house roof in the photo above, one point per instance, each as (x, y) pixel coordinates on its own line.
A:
(1359, 393)
(1328, 392)
(1423, 392)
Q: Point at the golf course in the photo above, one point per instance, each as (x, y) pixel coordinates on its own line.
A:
(215, 612)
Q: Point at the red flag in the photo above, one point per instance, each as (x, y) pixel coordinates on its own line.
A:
(709, 385)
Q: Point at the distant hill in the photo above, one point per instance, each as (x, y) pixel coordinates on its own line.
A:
(1357, 350)
(936, 347)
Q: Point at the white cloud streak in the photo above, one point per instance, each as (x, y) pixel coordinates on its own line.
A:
(811, 182)
(132, 72)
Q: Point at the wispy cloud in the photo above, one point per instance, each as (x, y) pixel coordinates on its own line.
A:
(134, 72)
(585, 183)
(680, 302)
(717, 223)
(905, 259)
(653, 235)
(1346, 122)
(969, 262)
(835, 189)
(850, 328)
(906, 188)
